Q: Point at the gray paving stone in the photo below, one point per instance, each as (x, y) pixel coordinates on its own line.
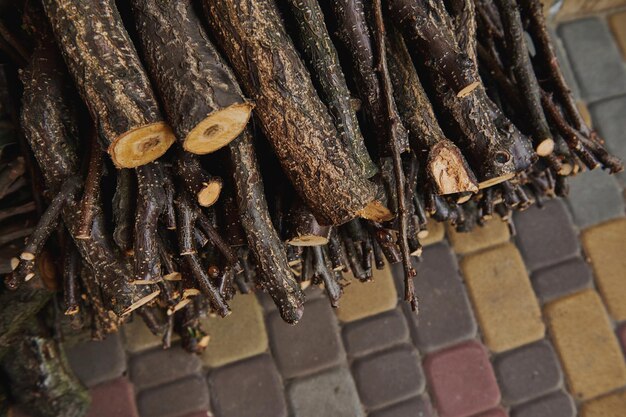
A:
(311, 293)
(310, 346)
(249, 388)
(528, 372)
(445, 314)
(328, 394)
(388, 377)
(594, 56)
(609, 121)
(545, 236)
(94, 362)
(566, 66)
(175, 399)
(595, 197)
(375, 333)
(159, 366)
(561, 279)
(558, 404)
(415, 407)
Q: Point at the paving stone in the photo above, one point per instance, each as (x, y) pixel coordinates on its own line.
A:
(436, 232)
(249, 388)
(364, 299)
(503, 299)
(310, 346)
(113, 398)
(328, 394)
(528, 372)
(610, 123)
(388, 377)
(588, 349)
(175, 399)
(492, 233)
(595, 58)
(94, 362)
(137, 336)
(238, 336)
(564, 63)
(311, 293)
(448, 373)
(415, 407)
(445, 315)
(594, 197)
(204, 413)
(545, 236)
(617, 22)
(613, 405)
(557, 404)
(375, 333)
(604, 245)
(160, 366)
(496, 412)
(621, 335)
(562, 279)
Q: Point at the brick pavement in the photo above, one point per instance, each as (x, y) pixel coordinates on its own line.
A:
(532, 325)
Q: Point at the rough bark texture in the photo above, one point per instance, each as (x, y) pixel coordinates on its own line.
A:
(199, 93)
(99, 53)
(267, 247)
(313, 40)
(291, 114)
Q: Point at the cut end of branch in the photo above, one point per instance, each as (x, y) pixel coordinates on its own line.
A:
(308, 240)
(449, 170)
(141, 145)
(27, 256)
(376, 211)
(496, 180)
(545, 147)
(465, 91)
(218, 129)
(208, 195)
(141, 302)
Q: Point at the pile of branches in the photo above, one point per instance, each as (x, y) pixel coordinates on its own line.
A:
(186, 151)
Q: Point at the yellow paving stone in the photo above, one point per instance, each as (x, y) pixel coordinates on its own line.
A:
(618, 26)
(238, 336)
(584, 112)
(493, 233)
(137, 336)
(613, 405)
(605, 245)
(589, 351)
(364, 299)
(504, 301)
(436, 232)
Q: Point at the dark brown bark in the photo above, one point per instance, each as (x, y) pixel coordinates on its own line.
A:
(199, 183)
(322, 269)
(313, 41)
(91, 193)
(123, 209)
(291, 114)
(200, 96)
(98, 53)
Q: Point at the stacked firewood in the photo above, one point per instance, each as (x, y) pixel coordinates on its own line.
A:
(189, 150)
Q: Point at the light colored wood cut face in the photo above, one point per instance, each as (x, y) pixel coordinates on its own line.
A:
(546, 147)
(465, 91)
(376, 211)
(141, 145)
(209, 194)
(218, 129)
(449, 173)
(308, 240)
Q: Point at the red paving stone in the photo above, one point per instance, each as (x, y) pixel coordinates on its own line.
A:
(113, 398)
(462, 380)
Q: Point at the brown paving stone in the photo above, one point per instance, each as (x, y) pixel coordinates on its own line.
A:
(415, 407)
(557, 404)
(113, 398)
(492, 233)
(375, 333)
(238, 336)
(364, 299)
(618, 26)
(497, 412)
(311, 345)
(436, 232)
(448, 373)
(175, 399)
(583, 337)
(503, 298)
(605, 245)
(94, 362)
(613, 405)
(200, 414)
(137, 336)
(388, 377)
(562, 279)
(248, 388)
(160, 366)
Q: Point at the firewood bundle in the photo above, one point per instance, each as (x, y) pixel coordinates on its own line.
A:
(188, 151)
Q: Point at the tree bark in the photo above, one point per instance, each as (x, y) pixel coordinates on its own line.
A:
(291, 114)
(99, 54)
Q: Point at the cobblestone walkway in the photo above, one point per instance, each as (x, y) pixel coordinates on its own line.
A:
(522, 326)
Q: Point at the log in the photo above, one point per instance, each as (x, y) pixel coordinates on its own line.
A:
(199, 93)
(293, 118)
(314, 42)
(99, 53)
(446, 166)
(199, 183)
